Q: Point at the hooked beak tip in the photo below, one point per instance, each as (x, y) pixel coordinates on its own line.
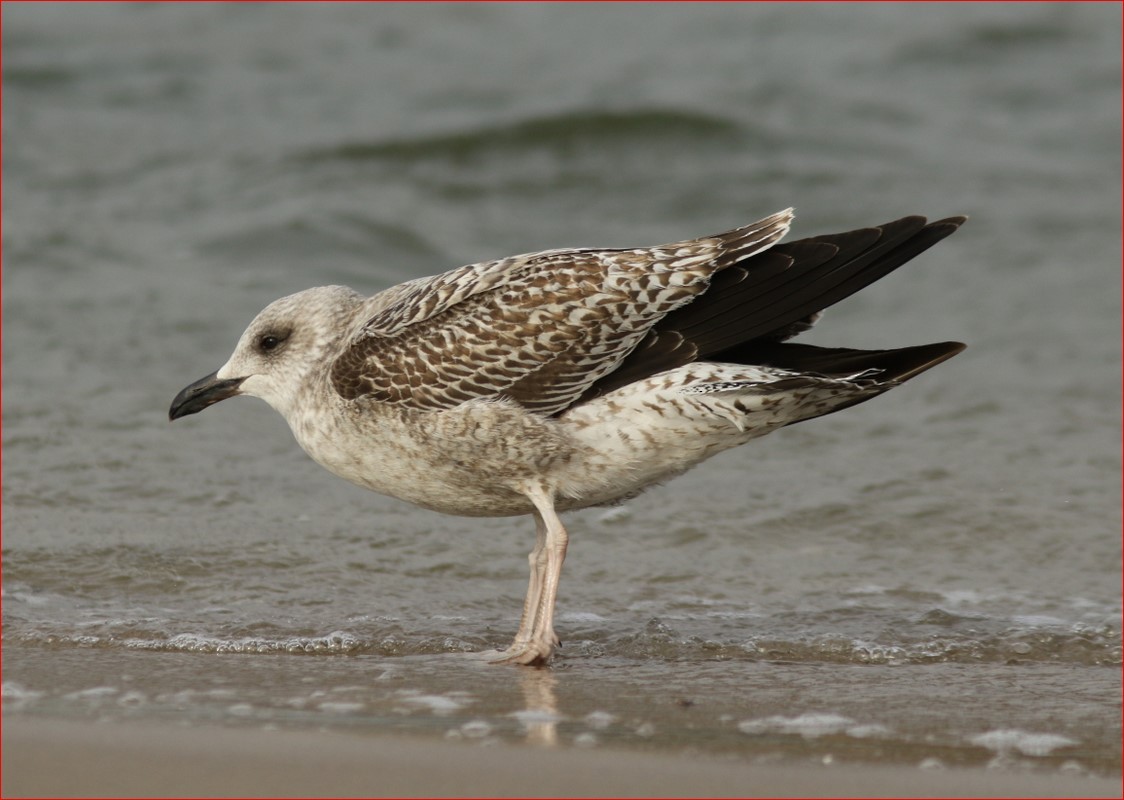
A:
(203, 393)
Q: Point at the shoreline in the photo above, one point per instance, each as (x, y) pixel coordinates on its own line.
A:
(77, 758)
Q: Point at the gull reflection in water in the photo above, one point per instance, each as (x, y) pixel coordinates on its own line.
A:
(539, 716)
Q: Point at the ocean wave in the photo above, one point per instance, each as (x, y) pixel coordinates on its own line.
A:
(551, 131)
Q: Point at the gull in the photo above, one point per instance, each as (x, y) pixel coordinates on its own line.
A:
(571, 378)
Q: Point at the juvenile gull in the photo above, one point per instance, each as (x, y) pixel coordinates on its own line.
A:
(565, 379)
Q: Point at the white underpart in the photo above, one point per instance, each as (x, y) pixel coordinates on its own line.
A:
(655, 429)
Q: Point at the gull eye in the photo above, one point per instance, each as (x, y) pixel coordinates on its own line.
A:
(269, 342)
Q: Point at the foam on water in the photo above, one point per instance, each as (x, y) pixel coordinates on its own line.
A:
(933, 636)
(809, 725)
(16, 697)
(1024, 742)
(440, 705)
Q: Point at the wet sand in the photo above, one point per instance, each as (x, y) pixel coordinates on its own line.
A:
(45, 757)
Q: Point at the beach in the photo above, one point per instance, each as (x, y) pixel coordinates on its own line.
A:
(45, 757)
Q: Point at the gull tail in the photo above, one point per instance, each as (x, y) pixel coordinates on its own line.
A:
(880, 370)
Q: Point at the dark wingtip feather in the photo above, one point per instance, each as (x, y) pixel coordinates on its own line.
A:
(888, 368)
(894, 366)
(756, 301)
(915, 360)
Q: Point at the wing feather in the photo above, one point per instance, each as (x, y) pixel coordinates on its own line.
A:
(537, 328)
(775, 295)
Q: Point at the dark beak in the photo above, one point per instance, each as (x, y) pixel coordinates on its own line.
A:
(204, 392)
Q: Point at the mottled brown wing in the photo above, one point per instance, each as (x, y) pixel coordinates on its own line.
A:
(538, 329)
(557, 324)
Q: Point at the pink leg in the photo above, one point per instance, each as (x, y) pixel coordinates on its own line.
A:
(535, 640)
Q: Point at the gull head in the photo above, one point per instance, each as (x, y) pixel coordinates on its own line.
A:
(280, 353)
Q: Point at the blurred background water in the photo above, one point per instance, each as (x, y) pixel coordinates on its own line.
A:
(930, 578)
